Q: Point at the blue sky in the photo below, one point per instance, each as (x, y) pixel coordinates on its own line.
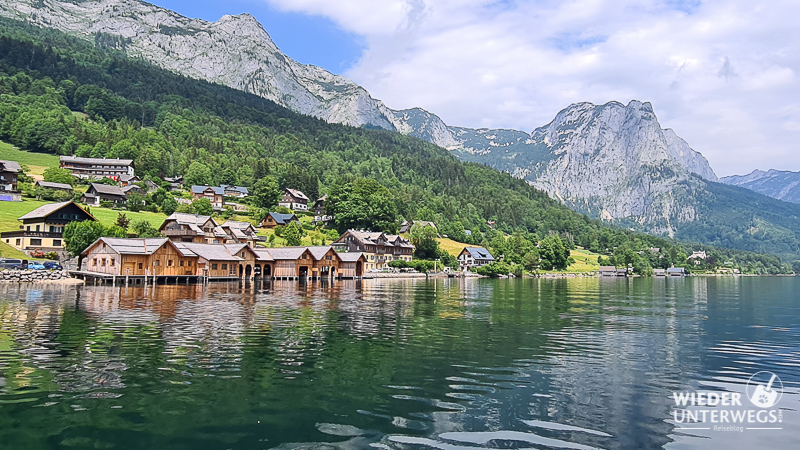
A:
(309, 39)
(723, 74)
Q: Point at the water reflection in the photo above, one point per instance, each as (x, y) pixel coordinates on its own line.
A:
(583, 363)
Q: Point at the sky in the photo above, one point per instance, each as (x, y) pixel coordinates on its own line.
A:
(723, 74)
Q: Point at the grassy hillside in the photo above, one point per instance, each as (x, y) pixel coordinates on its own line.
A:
(10, 211)
(36, 163)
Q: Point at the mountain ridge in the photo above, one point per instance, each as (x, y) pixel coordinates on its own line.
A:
(780, 184)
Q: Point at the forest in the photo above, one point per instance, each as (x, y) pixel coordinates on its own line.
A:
(62, 95)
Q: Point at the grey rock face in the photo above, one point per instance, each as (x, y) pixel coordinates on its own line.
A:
(780, 184)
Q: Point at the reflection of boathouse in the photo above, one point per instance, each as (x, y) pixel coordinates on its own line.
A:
(160, 259)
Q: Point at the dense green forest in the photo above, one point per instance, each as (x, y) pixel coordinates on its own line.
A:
(63, 95)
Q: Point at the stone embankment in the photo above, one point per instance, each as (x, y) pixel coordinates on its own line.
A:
(32, 276)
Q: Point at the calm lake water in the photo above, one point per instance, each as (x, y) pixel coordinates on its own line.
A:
(443, 364)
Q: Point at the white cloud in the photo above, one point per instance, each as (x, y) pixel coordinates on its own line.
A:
(722, 74)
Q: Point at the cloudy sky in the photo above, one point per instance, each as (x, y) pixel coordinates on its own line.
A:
(723, 74)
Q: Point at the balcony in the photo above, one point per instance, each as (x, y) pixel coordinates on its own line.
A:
(169, 232)
(31, 234)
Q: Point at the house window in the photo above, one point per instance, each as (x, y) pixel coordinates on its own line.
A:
(328, 258)
(37, 227)
(189, 263)
(140, 266)
(103, 262)
(94, 261)
(213, 267)
(157, 263)
(112, 262)
(224, 267)
(169, 263)
(181, 263)
(19, 241)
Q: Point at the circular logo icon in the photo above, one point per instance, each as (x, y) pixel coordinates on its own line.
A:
(764, 389)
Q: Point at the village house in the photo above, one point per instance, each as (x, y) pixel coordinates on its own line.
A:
(63, 187)
(611, 271)
(378, 248)
(88, 168)
(175, 183)
(274, 219)
(9, 173)
(43, 228)
(698, 257)
(126, 179)
(319, 211)
(132, 188)
(213, 194)
(405, 227)
(294, 200)
(98, 192)
(234, 191)
(472, 257)
(241, 232)
(183, 227)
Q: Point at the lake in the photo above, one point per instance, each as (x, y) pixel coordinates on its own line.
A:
(408, 364)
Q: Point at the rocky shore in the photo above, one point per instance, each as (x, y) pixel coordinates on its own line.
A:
(32, 276)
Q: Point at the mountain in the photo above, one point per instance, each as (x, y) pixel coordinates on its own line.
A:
(780, 184)
(610, 161)
(605, 176)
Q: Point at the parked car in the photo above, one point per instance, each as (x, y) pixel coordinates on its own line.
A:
(10, 263)
(52, 265)
(35, 265)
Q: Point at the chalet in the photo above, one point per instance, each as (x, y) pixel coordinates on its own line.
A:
(292, 262)
(294, 200)
(676, 272)
(88, 168)
(138, 257)
(319, 211)
(63, 187)
(213, 194)
(405, 227)
(131, 189)
(128, 179)
(98, 192)
(175, 183)
(698, 257)
(474, 257)
(378, 248)
(234, 191)
(182, 227)
(273, 219)
(9, 172)
(326, 261)
(241, 232)
(43, 228)
(151, 187)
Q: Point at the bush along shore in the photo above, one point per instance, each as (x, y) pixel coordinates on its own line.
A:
(31, 276)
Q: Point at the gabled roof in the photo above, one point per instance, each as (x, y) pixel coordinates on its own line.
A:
(239, 189)
(51, 185)
(607, 269)
(234, 225)
(280, 218)
(479, 253)
(297, 194)
(319, 251)
(200, 189)
(189, 219)
(107, 189)
(104, 161)
(292, 253)
(127, 177)
(350, 256)
(45, 210)
(210, 252)
(132, 187)
(10, 166)
(130, 246)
